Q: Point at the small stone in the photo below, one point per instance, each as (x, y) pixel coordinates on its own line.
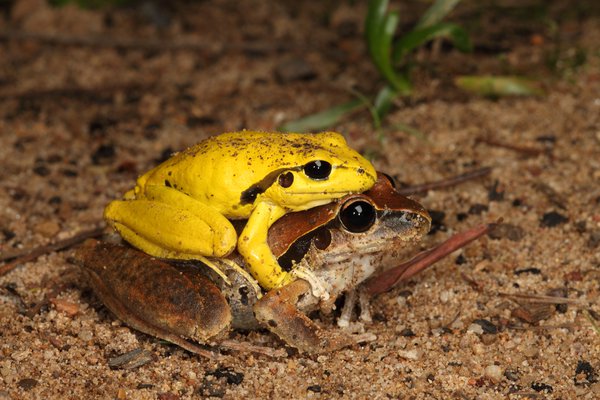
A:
(478, 209)
(104, 154)
(41, 170)
(121, 394)
(496, 192)
(542, 387)
(532, 270)
(533, 312)
(133, 359)
(594, 240)
(446, 295)
(552, 219)
(493, 372)
(314, 388)
(295, 69)
(85, 335)
(20, 355)
(584, 374)
(511, 232)
(486, 326)
(413, 354)
(27, 383)
(407, 332)
(475, 328)
(47, 228)
(64, 306)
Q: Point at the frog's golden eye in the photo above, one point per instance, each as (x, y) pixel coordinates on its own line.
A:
(357, 216)
(317, 170)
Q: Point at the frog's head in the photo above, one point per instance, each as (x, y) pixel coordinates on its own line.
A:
(325, 169)
(346, 242)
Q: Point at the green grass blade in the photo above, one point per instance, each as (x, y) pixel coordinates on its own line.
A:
(384, 100)
(323, 119)
(497, 86)
(380, 27)
(436, 13)
(407, 43)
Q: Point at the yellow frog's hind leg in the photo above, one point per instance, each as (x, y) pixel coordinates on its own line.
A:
(169, 224)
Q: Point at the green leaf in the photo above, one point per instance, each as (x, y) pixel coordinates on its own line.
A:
(496, 86)
(380, 27)
(436, 13)
(420, 36)
(323, 119)
(384, 100)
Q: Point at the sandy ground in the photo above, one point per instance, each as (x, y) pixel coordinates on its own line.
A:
(78, 123)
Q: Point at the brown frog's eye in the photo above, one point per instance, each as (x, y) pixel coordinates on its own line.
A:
(318, 170)
(357, 216)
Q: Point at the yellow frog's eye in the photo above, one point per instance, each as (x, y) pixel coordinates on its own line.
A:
(318, 170)
(357, 216)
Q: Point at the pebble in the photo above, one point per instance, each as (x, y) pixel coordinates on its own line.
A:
(552, 219)
(47, 228)
(20, 355)
(295, 69)
(494, 372)
(475, 328)
(509, 231)
(85, 335)
(413, 354)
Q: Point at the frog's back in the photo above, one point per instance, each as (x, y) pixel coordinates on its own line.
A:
(217, 170)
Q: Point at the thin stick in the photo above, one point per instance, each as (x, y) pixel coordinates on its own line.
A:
(386, 280)
(444, 183)
(245, 347)
(195, 44)
(535, 298)
(31, 254)
(530, 151)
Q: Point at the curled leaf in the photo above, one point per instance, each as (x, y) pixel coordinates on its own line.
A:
(497, 86)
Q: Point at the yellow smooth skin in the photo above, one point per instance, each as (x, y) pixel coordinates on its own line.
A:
(180, 209)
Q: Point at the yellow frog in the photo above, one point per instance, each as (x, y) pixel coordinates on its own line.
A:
(180, 209)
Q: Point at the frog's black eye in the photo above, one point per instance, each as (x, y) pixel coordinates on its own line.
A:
(317, 170)
(357, 216)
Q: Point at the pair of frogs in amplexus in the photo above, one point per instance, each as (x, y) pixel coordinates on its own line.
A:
(254, 229)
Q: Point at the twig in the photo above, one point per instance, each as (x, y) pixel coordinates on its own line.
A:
(245, 347)
(529, 151)
(94, 93)
(196, 44)
(592, 321)
(27, 255)
(387, 279)
(444, 183)
(534, 298)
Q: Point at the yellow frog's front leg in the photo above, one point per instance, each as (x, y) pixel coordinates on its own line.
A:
(167, 223)
(253, 246)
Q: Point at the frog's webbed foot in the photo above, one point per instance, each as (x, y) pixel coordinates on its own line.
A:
(277, 310)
